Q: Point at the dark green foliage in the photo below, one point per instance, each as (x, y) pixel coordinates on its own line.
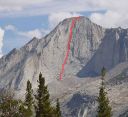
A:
(58, 111)
(28, 110)
(9, 107)
(104, 109)
(43, 107)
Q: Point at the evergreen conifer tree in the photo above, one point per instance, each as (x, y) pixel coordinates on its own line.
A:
(58, 111)
(43, 107)
(29, 100)
(104, 109)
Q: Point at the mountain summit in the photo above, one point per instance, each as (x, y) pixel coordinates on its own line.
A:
(47, 54)
(91, 48)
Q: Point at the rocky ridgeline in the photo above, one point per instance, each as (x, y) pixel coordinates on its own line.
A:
(92, 47)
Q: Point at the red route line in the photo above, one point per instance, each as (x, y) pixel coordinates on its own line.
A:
(68, 47)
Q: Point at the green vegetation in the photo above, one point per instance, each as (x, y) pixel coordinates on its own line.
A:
(29, 100)
(10, 107)
(43, 107)
(58, 111)
(104, 109)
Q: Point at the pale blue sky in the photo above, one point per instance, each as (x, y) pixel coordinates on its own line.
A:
(23, 24)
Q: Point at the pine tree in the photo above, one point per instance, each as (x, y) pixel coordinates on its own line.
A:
(43, 107)
(29, 100)
(58, 111)
(104, 109)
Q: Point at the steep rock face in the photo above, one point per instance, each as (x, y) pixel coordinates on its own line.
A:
(92, 47)
(112, 51)
(47, 54)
